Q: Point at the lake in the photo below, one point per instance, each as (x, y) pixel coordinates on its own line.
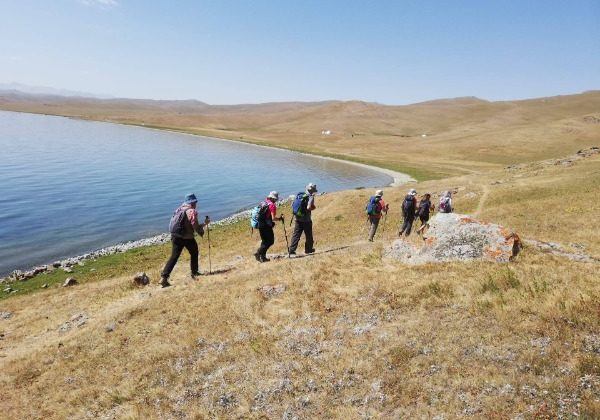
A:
(69, 186)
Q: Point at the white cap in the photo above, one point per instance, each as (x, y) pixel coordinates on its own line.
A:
(274, 195)
(311, 187)
(379, 193)
(412, 192)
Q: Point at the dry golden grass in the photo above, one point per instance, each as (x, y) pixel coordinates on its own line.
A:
(353, 335)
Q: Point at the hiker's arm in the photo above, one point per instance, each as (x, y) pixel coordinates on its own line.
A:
(311, 203)
(192, 215)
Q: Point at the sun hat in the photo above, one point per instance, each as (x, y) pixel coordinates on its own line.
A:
(190, 198)
(274, 195)
(311, 187)
(412, 192)
(379, 193)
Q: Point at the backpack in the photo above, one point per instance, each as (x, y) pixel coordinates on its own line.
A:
(258, 216)
(299, 206)
(408, 204)
(445, 205)
(177, 222)
(373, 207)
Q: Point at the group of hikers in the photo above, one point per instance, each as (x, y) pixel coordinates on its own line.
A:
(411, 210)
(185, 222)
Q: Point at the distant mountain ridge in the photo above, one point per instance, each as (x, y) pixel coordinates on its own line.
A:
(45, 90)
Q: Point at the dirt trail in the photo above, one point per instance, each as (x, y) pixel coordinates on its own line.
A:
(484, 194)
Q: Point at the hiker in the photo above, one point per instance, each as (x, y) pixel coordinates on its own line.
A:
(303, 205)
(184, 223)
(375, 206)
(409, 208)
(446, 203)
(423, 211)
(267, 215)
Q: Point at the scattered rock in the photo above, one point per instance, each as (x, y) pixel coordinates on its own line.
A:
(67, 270)
(559, 250)
(8, 290)
(141, 279)
(56, 264)
(591, 343)
(111, 327)
(70, 281)
(541, 342)
(5, 315)
(78, 320)
(457, 237)
(269, 292)
(44, 286)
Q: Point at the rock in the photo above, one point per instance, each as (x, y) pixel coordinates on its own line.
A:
(70, 281)
(591, 343)
(67, 269)
(111, 327)
(5, 315)
(141, 279)
(44, 286)
(272, 291)
(8, 290)
(457, 237)
(78, 320)
(56, 264)
(40, 269)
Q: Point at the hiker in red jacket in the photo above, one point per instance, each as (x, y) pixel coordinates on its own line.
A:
(183, 225)
(265, 227)
(375, 207)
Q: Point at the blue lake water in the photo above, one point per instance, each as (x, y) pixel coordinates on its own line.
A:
(69, 186)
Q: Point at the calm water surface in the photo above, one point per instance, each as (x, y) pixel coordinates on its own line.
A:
(68, 187)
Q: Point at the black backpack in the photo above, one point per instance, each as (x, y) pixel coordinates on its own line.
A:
(408, 205)
(177, 222)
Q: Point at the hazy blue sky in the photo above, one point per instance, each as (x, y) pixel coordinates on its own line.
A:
(248, 51)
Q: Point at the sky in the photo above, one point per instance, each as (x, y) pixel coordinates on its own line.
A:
(252, 51)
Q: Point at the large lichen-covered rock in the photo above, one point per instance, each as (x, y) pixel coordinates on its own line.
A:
(458, 237)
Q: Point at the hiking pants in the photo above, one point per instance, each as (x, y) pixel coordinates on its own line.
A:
(300, 227)
(407, 225)
(177, 247)
(374, 223)
(424, 219)
(268, 238)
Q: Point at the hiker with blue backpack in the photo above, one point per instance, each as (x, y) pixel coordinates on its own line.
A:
(262, 218)
(375, 207)
(409, 209)
(302, 207)
(182, 226)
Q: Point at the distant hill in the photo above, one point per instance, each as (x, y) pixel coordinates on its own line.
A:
(44, 90)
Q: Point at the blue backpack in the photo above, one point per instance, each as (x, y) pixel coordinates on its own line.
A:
(299, 206)
(373, 207)
(258, 216)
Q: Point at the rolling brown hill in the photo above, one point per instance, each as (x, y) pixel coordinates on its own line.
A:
(428, 140)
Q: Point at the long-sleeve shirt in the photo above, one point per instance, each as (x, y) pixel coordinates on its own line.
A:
(191, 223)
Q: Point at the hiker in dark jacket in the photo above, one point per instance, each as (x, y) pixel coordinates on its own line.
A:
(375, 215)
(265, 227)
(423, 211)
(185, 239)
(409, 208)
(304, 223)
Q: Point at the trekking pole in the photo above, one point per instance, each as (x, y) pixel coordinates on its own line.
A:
(383, 229)
(206, 221)
(286, 238)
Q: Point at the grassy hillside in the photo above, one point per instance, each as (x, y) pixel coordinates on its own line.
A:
(463, 135)
(342, 334)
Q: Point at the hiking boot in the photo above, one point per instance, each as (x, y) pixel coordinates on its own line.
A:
(196, 274)
(263, 258)
(164, 282)
(310, 251)
(290, 252)
(257, 256)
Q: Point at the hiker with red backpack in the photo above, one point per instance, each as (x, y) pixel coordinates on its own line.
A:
(374, 209)
(409, 209)
(446, 203)
(266, 214)
(182, 226)
(302, 207)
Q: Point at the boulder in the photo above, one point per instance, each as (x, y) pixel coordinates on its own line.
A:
(70, 281)
(457, 237)
(141, 279)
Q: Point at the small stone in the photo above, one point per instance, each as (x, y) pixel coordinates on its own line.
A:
(70, 281)
(141, 279)
(45, 285)
(5, 315)
(67, 269)
(8, 290)
(56, 264)
(111, 327)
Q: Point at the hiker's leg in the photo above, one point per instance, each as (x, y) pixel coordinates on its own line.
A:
(308, 237)
(176, 248)
(409, 223)
(192, 246)
(374, 223)
(298, 229)
(404, 225)
(267, 239)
